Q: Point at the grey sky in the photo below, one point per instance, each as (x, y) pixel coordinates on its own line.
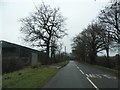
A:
(79, 14)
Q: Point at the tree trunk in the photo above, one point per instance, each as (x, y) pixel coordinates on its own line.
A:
(108, 61)
(93, 59)
(52, 54)
(48, 48)
(93, 55)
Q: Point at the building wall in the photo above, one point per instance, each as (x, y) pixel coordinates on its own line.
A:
(34, 58)
(15, 57)
(0, 60)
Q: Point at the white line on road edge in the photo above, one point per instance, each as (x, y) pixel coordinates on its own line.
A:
(92, 83)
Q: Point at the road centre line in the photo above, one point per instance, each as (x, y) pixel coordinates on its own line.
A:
(94, 76)
(87, 75)
(88, 78)
(80, 70)
(77, 67)
(92, 84)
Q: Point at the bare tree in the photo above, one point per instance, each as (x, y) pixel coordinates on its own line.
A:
(107, 40)
(110, 16)
(79, 46)
(42, 25)
(54, 47)
(89, 42)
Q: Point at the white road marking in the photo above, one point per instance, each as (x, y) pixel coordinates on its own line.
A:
(87, 75)
(92, 84)
(94, 76)
(98, 76)
(77, 67)
(105, 76)
(80, 69)
(90, 75)
(108, 76)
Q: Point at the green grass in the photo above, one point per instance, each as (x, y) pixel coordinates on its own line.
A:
(32, 77)
(63, 63)
(28, 78)
(0, 81)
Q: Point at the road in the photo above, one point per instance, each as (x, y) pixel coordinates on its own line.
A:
(77, 75)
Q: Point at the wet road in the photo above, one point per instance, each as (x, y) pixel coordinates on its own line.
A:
(77, 75)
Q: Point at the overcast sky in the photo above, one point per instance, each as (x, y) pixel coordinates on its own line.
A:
(79, 14)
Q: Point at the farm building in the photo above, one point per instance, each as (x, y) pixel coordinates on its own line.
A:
(16, 56)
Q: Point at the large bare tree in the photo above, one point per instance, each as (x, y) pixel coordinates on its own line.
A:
(89, 42)
(110, 17)
(43, 25)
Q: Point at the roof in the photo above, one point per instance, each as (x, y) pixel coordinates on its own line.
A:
(9, 44)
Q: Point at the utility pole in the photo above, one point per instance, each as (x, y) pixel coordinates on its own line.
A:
(65, 50)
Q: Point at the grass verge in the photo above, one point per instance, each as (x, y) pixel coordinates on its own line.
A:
(28, 78)
(31, 77)
(62, 64)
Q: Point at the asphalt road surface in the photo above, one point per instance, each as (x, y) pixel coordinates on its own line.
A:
(77, 75)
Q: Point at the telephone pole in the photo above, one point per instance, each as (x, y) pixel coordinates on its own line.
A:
(65, 51)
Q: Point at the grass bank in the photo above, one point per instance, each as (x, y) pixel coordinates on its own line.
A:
(28, 78)
(31, 77)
